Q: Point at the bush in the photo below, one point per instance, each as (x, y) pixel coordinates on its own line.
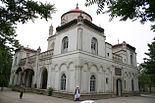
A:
(50, 91)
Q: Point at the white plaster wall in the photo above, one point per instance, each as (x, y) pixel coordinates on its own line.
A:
(88, 34)
(108, 50)
(56, 79)
(51, 42)
(53, 72)
(84, 80)
(128, 57)
(71, 77)
(72, 38)
(99, 84)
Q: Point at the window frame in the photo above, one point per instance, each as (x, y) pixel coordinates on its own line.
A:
(65, 42)
(63, 82)
(94, 46)
(92, 83)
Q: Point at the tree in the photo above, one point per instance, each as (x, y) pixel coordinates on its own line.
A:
(149, 63)
(127, 9)
(144, 79)
(5, 65)
(11, 13)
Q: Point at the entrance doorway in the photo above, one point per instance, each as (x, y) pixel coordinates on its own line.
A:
(119, 87)
(28, 78)
(44, 79)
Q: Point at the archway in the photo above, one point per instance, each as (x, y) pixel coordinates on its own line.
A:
(29, 77)
(25, 75)
(119, 87)
(44, 79)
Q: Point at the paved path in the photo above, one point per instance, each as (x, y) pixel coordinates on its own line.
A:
(8, 96)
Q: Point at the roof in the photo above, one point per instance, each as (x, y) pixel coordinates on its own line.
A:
(129, 46)
(76, 10)
(85, 21)
(27, 49)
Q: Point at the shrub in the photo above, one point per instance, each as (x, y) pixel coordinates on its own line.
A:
(50, 91)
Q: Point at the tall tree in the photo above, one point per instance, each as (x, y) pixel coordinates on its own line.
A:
(127, 9)
(149, 63)
(11, 13)
(143, 79)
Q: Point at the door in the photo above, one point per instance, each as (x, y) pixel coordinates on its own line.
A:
(119, 87)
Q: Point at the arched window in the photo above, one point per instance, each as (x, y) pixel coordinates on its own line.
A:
(65, 44)
(94, 47)
(92, 83)
(63, 82)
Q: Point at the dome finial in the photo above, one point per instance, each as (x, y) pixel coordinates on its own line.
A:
(77, 6)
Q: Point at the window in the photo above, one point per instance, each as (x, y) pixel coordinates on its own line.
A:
(94, 46)
(132, 85)
(106, 80)
(107, 54)
(118, 71)
(63, 82)
(65, 45)
(131, 59)
(92, 83)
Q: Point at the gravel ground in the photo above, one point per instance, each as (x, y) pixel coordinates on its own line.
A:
(8, 96)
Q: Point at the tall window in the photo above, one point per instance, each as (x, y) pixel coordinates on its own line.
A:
(92, 83)
(94, 46)
(65, 44)
(63, 82)
(106, 80)
(131, 59)
(132, 84)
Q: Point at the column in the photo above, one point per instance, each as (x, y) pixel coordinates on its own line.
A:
(79, 38)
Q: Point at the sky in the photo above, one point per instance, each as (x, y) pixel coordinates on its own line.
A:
(35, 34)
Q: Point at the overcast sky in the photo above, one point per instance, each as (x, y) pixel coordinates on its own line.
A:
(134, 33)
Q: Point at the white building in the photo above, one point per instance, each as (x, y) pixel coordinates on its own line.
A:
(78, 55)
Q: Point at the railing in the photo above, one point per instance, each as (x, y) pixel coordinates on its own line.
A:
(22, 62)
(31, 59)
(117, 58)
(46, 54)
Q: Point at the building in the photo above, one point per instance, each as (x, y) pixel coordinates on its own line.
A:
(78, 55)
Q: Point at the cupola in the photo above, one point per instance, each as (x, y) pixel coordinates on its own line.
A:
(74, 14)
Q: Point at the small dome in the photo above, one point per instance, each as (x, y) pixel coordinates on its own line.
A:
(73, 14)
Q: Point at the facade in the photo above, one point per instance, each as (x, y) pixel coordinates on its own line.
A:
(78, 55)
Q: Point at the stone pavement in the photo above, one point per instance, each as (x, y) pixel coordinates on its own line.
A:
(8, 96)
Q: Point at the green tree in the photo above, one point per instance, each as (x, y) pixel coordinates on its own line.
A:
(144, 79)
(127, 9)
(149, 63)
(11, 13)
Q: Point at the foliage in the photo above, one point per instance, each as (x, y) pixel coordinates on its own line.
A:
(5, 64)
(149, 63)
(147, 69)
(50, 91)
(127, 9)
(144, 79)
(11, 13)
